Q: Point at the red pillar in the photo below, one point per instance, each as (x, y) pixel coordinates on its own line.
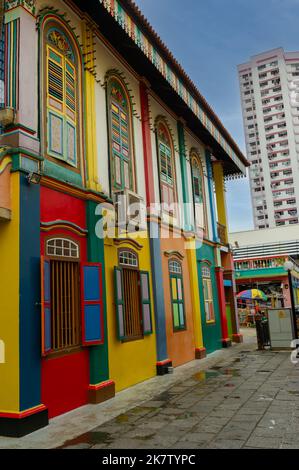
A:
(226, 341)
(147, 145)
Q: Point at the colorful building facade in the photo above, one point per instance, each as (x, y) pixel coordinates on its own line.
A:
(98, 115)
(269, 274)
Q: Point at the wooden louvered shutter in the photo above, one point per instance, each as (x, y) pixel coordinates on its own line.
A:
(119, 302)
(55, 98)
(70, 122)
(46, 312)
(146, 303)
(92, 304)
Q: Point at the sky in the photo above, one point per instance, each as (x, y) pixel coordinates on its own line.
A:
(209, 39)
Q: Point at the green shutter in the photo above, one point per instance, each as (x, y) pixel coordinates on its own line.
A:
(146, 303)
(119, 302)
(177, 300)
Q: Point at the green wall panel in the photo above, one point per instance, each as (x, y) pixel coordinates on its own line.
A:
(211, 332)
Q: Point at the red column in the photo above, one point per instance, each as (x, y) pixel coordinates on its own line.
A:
(147, 146)
(226, 341)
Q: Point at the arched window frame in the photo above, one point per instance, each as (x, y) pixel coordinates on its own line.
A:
(62, 113)
(195, 159)
(175, 270)
(118, 178)
(62, 247)
(166, 163)
(128, 258)
(208, 293)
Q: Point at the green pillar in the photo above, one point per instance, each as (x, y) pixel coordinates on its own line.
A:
(99, 364)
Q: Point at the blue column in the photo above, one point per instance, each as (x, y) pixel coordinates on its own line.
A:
(158, 292)
(30, 323)
(211, 195)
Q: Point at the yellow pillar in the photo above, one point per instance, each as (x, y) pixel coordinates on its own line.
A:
(200, 351)
(9, 305)
(220, 198)
(90, 112)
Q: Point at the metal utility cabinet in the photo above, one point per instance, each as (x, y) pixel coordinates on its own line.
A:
(281, 327)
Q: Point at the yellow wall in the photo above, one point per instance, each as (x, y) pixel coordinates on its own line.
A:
(134, 361)
(9, 303)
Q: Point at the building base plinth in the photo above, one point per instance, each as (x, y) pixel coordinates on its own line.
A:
(23, 423)
(238, 338)
(162, 366)
(200, 353)
(101, 392)
(226, 342)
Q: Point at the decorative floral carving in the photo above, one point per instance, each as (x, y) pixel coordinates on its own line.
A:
(60, 41)
(117, 95)
(162, 134)
(27, 4)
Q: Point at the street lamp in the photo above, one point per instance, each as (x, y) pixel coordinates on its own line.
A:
(288, 266)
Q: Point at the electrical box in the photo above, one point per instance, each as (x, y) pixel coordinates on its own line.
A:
(281, 327)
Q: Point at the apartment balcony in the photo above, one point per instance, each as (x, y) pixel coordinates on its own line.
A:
(262, 263)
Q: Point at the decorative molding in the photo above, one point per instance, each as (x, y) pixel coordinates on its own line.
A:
(170, 253)
(61, 42)
(29, 5)
(64, 224)
(205, 261)
(125, 241)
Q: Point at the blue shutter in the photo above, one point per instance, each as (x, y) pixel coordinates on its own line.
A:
(46, 316)
(119, 302)
(92, 304)
(146, 303)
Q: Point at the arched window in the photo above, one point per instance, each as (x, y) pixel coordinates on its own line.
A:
(61, 85)
(128, 258)
(121, 136)
(62, 247)
(166, 164)
(63, 279)
(175, 267)
(208, 294)
(177, 294)
(198, 191)
(132, 297)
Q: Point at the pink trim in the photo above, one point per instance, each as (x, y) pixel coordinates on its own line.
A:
(267, 58)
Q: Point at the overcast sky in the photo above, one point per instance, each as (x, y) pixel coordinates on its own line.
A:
(209, 39)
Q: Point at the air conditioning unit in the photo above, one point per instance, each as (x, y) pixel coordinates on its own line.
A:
(130, 211)
(7, 116)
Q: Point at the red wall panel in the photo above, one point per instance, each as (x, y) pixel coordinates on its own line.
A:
(65, 379)
(65, 382)
(56, 205)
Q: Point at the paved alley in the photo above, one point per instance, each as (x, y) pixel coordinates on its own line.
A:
(250, 401)
(235, 398)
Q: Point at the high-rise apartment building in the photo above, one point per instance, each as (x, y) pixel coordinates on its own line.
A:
(269, 86)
